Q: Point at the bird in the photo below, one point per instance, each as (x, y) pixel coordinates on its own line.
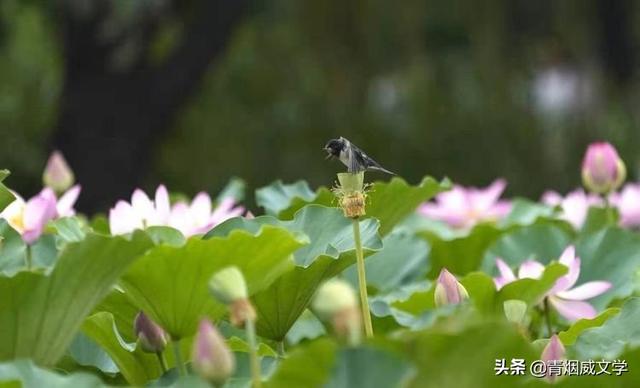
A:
(352, 156)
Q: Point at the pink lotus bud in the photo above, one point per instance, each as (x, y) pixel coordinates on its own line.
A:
(602, 169)
(449, 290)
(151, 336)
(554, 351)
(57, 174)
(211, 357)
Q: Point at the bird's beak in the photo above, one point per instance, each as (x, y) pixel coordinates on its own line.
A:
(328, 154)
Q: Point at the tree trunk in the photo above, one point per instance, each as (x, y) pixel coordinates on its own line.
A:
(110, 121)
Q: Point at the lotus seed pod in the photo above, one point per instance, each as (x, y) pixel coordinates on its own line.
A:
(241, 311)
(515, 310)
(333, 297)
(336, 302)
(353, 205)
(228, 285)
(347, 325)
(350, 182)
(351, 195)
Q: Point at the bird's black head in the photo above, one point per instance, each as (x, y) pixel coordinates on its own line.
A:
(334, 146)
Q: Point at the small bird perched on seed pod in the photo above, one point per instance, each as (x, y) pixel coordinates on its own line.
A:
(352, 156)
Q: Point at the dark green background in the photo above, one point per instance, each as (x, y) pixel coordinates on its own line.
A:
(425, 87)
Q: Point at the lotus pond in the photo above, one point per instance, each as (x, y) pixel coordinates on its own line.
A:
(388, 284)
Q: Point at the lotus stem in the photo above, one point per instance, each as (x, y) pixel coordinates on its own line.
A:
(162, 361)
(362, 280)
(256, 377)
(608, 210)
(281, 351)
(547, 316)
(177, 353)
(27, 257)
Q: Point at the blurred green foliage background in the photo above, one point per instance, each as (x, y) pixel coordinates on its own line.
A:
(470, 90)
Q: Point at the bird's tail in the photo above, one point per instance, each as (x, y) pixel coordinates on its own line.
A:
(381, 169)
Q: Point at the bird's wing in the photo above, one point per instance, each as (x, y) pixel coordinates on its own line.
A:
(357, 159)
(354, 164)
(367, 163)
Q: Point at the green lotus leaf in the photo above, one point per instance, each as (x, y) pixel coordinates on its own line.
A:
(464, 356)
(6, 197)
(599, 218)
(174, 380)
(612, 338)
(465, 251)
(610, 254)
(307, 327)
(166, 235)
(330, 251)
(44, 252)
(526, 212)
(368, 367)
(569, 336)
(140, 368)
(322, 363)
(12, 250)
(307, 366)
(461, 254)
(136, 366)
(41, 313)
(69, 229)
(329, 232)
(85, 352)
(531, 291)
(402, 260)
(280, 305)
(23, 373)
(542, 241)
(170, 283)
(237, 344)
(284, 200)
(483, 294)
(123, 310)
(389, 202)
(383, 307)
(235, 189)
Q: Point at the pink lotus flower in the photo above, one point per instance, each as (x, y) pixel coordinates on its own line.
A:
(30, 218)
(575, 205)
(463, 207)
(628, 203)
(602, 169)
(195, 218)
(568, 301)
